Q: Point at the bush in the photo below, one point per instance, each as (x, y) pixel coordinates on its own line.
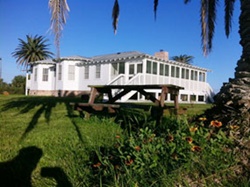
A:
(151, 154)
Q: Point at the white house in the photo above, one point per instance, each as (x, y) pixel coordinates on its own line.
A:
(72, 75)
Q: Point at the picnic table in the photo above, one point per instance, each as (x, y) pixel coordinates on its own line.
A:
(111, 104)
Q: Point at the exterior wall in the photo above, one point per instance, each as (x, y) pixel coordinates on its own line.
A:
(36, 84)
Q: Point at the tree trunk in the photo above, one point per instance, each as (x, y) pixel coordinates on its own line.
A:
(232, 103)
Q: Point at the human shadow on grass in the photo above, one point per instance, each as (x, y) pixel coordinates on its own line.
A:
(17, 172)
(45, 106)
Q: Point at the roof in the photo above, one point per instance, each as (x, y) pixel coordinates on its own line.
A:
(119, 56)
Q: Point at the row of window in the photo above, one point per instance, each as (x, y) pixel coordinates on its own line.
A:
(176, 71)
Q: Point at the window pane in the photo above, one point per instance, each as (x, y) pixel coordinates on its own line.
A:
(86, 72)
(149, 70)
(166, 70)
(177, 72)
(183, 72)
(71, 72)
(139, 68)
(187, 73)
(60, 72)
(161, 69)
(114, 69)
(45, 74)
(35, 76)
(192, 74)
(98, 71)
(121, 68)
(131, 69)
(155, 68)
(172, 71)
(196, 75)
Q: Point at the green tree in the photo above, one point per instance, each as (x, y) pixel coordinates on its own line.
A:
(34, 49)
(18, 81)
(183, 58)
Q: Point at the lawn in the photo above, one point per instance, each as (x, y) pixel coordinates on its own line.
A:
(43, 142)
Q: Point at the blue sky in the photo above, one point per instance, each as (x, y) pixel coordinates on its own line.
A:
(89, 32)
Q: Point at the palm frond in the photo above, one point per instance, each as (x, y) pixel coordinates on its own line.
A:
(59, 10)
(211, 21)
(229, 8)
(115, 15)
(155, 7)
(204, 27)
(187, 1)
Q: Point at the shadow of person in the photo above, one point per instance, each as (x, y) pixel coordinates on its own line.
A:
(57, 174)
(17, 172)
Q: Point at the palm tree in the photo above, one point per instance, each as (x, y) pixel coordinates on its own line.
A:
(34, 49)
(183, 58)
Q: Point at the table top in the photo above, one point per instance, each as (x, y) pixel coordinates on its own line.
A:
(145, 86)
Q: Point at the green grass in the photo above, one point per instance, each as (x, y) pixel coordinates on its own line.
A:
(50, 124)
(72, 146)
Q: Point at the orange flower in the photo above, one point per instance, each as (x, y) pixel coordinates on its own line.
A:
(98, 164)
(234, 127)
(137, 148)
(196, 148)
(193, 129)
(129, 162)
(117, 136)
(203, 119)
(189, 140)
(215, 123)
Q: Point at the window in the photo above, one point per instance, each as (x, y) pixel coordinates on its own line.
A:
(114, 69)
(187, 73)
(172, 71)
(45, 74)
(71, 72)
(166, 70)
(192, 98)
(139, 68)
(131, 69)
(155, 68)
(194, 75)
(121, 66)
(201, 98)
(183, 73)
(86, 72)
(118, 68)
(177, 72)
(60, 72)
(98, 71)
(161, 69)
(184, 97)
(149, 69)
(201, 77)
(35, 74)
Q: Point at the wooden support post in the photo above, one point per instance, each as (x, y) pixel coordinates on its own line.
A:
(164, 92)
(92, 95)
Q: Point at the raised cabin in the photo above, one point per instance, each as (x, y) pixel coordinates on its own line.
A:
(72, 75)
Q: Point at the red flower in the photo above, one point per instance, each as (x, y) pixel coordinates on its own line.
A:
(189, 140)
(137, 148)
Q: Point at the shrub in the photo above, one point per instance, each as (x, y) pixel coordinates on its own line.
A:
(150, 154)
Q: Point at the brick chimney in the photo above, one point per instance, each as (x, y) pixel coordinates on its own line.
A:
(162, 55)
